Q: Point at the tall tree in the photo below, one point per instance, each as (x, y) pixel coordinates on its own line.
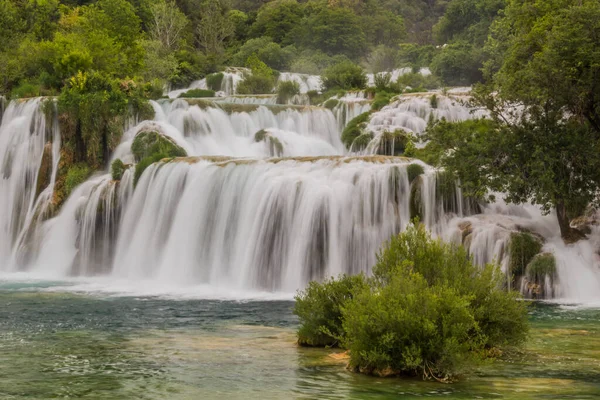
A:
(544, 97)
(168, 24)
(215, 27)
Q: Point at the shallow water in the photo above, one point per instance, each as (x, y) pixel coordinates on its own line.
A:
(58, 344)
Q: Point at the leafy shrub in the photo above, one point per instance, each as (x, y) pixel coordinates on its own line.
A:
(195, 93)
(286, 90)
(319, 309)
(354, 129)
(255, 84)
(25, 90)
(76, 175)
(427, 311)
(214, 81)
(345, 75)
(117, 169)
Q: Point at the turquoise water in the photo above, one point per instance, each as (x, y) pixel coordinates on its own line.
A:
(69, 345)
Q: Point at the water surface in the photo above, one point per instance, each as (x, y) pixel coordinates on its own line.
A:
(56, 344)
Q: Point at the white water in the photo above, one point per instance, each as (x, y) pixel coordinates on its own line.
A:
(306, 82)
(221, 226)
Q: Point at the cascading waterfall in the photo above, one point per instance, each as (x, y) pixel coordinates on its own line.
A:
(253, 222)
(411, 114)
(307, 83)
(350, 106)
(29, 155)
(231, 78)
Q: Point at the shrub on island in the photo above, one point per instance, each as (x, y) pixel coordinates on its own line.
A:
(426, 311)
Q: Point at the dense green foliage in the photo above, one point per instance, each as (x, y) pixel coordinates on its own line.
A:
(344, 76)
(426, 311)
(46, 42)
(287, 90)
(319, 308)
(76, 175)
(545, 58)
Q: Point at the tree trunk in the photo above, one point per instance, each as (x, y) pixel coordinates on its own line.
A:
(569, 235)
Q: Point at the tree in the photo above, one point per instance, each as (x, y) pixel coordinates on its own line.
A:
(544, 100)
(214, 28)
(333, 31)
(277, 19)
(168, 24)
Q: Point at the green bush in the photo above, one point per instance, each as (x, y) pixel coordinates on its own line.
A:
(117, 169)
(522, 248)
(286, 90)
(214, 81)
(196, 93)
(76, 175)
(260, 81)
(345, 75)
(354, 129)
(409, 327)
(319, 309)
(256, 84)
(426, 311)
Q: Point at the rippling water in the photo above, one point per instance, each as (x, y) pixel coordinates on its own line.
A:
(57, 344)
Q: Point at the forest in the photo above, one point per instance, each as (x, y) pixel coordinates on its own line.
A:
(46, 42)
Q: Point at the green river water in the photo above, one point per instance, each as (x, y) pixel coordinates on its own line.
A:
(57, 344)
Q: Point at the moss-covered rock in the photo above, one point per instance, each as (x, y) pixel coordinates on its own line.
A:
(45, 171)
(149, 143)
(331, 103)
(362, 141)
(416, 205)
(214, 81)
(117, 169)
(354, 129)
(414, 171)
(275, 145)
(149, 147)
(197, 93)
(522, 249)
(541, 275)
(392, 143)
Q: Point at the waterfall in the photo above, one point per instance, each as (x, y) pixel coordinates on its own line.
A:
(29, 155)
(213, 131)
(307, 83)
(239, 216)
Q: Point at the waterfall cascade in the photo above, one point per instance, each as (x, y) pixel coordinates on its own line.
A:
(235, 215)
